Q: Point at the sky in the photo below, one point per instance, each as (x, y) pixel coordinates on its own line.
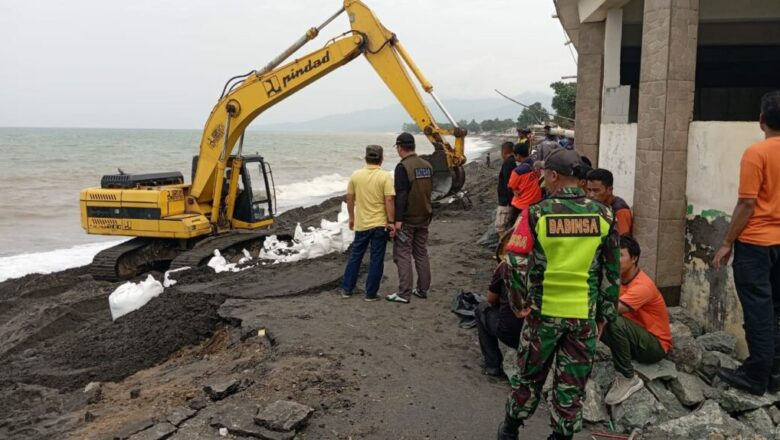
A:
(162, 64)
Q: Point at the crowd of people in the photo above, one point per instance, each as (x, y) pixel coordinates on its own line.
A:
(569, 269)
(569, 276)
(572, 277)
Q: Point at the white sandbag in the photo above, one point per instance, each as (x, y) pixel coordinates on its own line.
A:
(131, 296)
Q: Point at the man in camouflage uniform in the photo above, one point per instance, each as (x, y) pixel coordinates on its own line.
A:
(574, 246)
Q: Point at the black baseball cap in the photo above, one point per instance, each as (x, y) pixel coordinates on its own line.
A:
(405, 140)
(563, 161)
(374, 152)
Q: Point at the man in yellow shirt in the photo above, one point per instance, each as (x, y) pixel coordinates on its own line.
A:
(371, 206)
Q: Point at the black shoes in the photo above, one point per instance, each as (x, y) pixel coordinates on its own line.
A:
(507, 430)
(494, 372)
(774, 383)
(420, 293)
(737, 378)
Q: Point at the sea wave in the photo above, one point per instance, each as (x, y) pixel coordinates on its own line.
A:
(475, 146)
(51, 261)
(310, 192)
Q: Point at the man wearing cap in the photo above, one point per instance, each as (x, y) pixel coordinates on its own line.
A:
(413, 187)
(573, 245)
(371, 207)
(523, 182)
(524, 135)
(548, 136)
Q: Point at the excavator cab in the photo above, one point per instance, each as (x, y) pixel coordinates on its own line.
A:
(254, 205)
(256, 195)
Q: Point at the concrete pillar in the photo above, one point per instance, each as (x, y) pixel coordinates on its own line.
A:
(590, 72)
(616, 99)
(613, 39)
(666, 89)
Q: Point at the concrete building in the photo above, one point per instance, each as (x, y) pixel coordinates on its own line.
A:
(668, 95)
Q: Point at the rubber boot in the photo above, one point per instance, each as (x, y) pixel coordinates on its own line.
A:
(509, 428)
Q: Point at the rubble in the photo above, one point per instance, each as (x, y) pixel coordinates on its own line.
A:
(220, 390)
(603, 373)
(736, 401)
(665, 369)
(238, 419)
(284, 415)
(667, 398)
(774, 413)
(593, 409)
(180, 414)
(711, 361)
(760, 421)
(133, 427)
(719, 341)
(684, 382)
(159, 431)
(708, 422)
(684, 353)
(94, 392)
(679, 314)
(688, 388)
(603, 353)
(641, 409)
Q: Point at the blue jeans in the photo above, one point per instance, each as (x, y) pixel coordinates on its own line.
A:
(377, 238)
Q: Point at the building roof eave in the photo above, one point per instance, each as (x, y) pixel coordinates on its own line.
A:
(568, 14)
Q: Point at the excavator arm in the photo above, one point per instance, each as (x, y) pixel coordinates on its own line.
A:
(262, 89)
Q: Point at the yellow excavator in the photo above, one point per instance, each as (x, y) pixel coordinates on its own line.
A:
(232, 197)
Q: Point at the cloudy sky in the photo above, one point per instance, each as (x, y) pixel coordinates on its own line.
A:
(162, 64)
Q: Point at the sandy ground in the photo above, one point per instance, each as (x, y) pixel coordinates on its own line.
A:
(371, 370)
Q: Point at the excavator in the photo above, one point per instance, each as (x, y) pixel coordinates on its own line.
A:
(230, 203)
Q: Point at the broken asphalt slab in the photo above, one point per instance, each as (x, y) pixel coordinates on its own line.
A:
(284, 415)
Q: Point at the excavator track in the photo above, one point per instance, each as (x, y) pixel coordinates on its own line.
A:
(105, 264)
(204, 250)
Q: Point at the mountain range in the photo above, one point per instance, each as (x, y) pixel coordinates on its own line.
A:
(392, 117)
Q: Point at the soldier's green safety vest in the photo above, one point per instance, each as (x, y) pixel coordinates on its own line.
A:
(569, 241)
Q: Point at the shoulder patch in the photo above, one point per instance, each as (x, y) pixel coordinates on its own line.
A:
(422, 173)
(573, 226)
(618, 204)
(523, 168)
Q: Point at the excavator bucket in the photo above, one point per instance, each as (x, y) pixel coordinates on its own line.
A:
(446, 181)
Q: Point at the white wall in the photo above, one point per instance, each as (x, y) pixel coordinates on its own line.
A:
(617, 153)
(714, 151)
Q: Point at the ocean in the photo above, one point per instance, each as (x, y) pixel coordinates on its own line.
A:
(45, 168)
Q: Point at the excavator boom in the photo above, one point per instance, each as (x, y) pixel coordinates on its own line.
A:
(180, 225)
(265, 88)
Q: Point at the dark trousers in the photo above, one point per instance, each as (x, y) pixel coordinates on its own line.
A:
(628, 340)
(414, 247)
(757, 278)
(514, 213)
(377, 239)
(491, 329)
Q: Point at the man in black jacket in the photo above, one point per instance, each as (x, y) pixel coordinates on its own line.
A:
(413, 188)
